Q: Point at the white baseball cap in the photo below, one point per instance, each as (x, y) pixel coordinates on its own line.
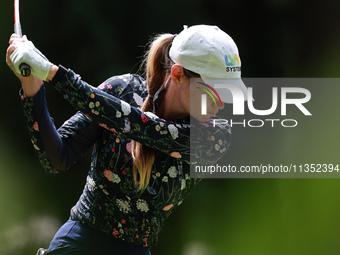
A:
(211, 53)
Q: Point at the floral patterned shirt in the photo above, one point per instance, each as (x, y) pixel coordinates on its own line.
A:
(109, 118)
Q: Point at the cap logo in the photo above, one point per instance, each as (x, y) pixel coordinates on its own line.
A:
(231, 61)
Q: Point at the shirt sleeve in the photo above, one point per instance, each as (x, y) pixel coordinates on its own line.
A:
(177, 140)
(58, 149)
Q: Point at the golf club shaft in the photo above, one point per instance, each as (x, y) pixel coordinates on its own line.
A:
(24, 68)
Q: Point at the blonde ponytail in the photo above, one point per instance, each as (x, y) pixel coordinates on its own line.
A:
(157, 68)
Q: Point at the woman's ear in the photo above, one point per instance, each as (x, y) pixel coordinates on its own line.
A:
(177, 74)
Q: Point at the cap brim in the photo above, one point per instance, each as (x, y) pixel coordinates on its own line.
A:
(228, 88)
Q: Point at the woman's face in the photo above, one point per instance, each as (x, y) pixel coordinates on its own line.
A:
(192, 93)
(196, 94)
(200, 95)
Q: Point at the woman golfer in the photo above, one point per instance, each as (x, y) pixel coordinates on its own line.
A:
(141, 131)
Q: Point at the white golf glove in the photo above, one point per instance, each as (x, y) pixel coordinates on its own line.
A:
(28, 54)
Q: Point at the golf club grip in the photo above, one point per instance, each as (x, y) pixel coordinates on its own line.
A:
(25, 70)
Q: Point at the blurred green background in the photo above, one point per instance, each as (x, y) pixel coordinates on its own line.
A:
(98, 39)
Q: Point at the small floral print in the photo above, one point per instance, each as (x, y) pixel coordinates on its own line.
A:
(158, 128)
(158, 174)
(173, 131)
(151, 115)
(35, 146)
(123, 206)
(124, 172)
(151, 190)
(128, 147)
(165, 179)
(183, 184)
(104, 126)
(91, 183)
(36, 126)
(118, 114)
(168, 207)
(115, 178)
(112, 177)
(115, 232)
(113, 130)
(102, 86)
(138, 99)
(91, 105)
(127, 127)
(145, 242)
(97, 104)
(173, 172)
(142, 205)
(126, 108)
(144, 118)
(217, 147)
(212, 138)
(92, 96)
(176, 154)
(108, 174)
(220, 142)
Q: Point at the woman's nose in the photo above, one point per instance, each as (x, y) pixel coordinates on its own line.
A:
(220, 106)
